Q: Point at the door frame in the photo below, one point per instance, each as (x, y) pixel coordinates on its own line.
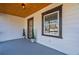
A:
(28, 20)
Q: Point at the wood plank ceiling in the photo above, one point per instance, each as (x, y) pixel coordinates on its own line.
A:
(16, 8)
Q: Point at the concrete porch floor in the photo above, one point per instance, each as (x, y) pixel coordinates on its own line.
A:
(25, 47)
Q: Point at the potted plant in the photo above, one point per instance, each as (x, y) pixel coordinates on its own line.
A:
(24, 35)
(33, 39)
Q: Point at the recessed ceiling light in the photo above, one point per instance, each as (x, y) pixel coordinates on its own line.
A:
(23, 5)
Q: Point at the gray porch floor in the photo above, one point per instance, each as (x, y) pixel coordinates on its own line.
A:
(25, 47)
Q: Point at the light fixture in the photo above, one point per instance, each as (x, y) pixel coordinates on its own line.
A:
(23, 5)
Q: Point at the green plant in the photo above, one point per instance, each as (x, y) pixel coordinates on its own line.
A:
(24, 33)
(33, 36)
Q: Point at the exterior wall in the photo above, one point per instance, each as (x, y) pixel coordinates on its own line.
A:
(70, 29)
(10, 27)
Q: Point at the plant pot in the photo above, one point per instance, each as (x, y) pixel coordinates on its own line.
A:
(32, 40)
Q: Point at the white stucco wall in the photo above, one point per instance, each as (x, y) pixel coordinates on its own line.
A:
(10, 27)
(70, 29)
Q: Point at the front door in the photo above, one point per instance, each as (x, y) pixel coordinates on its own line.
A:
(30, 28)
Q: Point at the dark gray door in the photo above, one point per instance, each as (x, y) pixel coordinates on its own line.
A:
(30, 28)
